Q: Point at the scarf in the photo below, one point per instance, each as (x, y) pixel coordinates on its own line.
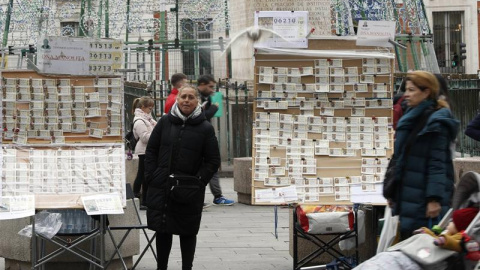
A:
(405, 126)
(175, 111)
(145, 116)
(411, 116)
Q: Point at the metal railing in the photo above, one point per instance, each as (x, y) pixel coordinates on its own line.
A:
(464, 99)
(233, 129)
(464, 94)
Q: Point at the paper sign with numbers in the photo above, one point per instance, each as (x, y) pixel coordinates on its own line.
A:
(290, 27)
(79, 56)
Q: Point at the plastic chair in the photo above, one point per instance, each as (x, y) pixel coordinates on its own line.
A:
(128, 229)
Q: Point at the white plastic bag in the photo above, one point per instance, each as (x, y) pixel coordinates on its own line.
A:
(46, 224)
(389, 231)
(349, 243)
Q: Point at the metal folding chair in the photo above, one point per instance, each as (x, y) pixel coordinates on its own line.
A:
(322, 246)
(71, 244)
(128, 229)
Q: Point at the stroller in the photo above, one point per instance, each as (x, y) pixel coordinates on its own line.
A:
(412, 256)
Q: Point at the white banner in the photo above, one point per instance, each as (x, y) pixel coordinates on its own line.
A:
(290, 27)
(17, 207)
(101, 204)
(79, 56)
(375, 33)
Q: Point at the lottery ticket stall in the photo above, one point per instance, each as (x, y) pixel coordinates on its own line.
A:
(62, 147)
(322, 136)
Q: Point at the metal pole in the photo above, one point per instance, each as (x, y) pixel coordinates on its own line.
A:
(237, 133)
(89, 8)
(144, 66)
(154, 91)
(163, 36)
(34, 244)
(152, 59)
(126, 30)
(99, 28)
(218, 122)
(227, 35)
(82, 13)
(107, 8)
(176, 26)
(227, 113)
(161, 96)
(7, 23)
(247, 120)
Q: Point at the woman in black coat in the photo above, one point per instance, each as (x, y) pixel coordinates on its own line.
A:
(181, 157)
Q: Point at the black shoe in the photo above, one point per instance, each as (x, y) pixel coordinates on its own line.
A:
(143, 207)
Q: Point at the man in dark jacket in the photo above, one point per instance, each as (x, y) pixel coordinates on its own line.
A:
(206, 87)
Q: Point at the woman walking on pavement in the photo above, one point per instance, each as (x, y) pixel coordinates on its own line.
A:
(424, 166)
(182, 147)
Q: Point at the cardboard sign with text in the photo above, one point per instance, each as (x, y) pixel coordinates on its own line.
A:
(375, 33)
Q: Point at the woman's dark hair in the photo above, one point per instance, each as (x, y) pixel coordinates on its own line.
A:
(443, 90)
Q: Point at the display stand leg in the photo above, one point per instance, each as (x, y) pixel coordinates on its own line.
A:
(34, 245)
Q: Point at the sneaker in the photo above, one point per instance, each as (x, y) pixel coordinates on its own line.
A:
(223, 201)
(206, 205)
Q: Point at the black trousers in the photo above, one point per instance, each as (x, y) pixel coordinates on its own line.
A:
(140, 179)
(188, 244)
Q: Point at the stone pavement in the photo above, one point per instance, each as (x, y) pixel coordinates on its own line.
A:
(238, 237)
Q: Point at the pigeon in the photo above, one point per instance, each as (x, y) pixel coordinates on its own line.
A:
(252, 35)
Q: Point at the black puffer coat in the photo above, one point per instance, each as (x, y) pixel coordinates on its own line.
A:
(195, 152)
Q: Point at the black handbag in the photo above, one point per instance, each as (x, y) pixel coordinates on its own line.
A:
(185, 189)
(390, 183)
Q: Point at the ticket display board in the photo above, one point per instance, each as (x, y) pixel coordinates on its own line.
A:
(323, 125)
(39, 109)
(79, 56)
(61, 137)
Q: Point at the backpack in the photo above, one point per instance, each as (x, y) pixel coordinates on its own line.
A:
(130, 138)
